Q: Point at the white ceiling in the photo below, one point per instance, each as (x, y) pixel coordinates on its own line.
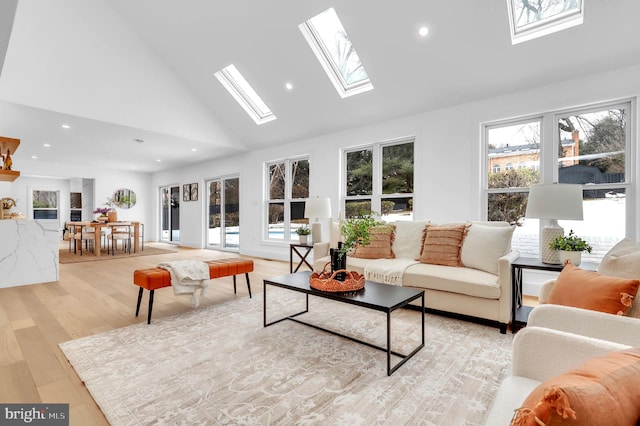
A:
(119, 70)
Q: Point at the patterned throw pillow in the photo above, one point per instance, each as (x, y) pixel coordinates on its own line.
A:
(379, 244)
(441, 244)
(623, 260)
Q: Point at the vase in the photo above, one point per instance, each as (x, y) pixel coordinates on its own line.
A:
(574, 256)
(112, 216)
(303, 239)
(102, 218)
(338, 262)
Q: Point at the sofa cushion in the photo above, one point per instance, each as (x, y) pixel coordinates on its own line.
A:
(467, 281)
(484, 245)
(380, 243)
(592, 290)
(602, 392)
(441, 244)
(407, 243)
(623, 260)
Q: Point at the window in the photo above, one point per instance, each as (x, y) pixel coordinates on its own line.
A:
(531, 19)
(379, 178)
(287, 191)
(588, 146)
(495, 168)
(331, 45)
(45, 204)
(224, 213)
(244, 94)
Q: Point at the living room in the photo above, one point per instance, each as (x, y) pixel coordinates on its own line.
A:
(447, 134)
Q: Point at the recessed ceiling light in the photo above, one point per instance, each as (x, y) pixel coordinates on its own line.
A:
(423, 31)
(194, 149)
(66, 126)
(46, 145)
(289, 86)
(158, 160)
(34, 157)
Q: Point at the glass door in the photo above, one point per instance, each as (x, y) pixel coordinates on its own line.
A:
(170, 214)
(223, 231)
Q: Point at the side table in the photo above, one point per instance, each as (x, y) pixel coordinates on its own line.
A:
(519, 312)
(301, 257)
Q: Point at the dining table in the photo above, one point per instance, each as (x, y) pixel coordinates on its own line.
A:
(97, 228)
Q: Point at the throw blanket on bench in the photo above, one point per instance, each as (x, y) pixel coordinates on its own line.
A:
(387, 271)
(187, 276)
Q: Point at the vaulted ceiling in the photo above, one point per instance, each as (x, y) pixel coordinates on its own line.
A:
(120, 70)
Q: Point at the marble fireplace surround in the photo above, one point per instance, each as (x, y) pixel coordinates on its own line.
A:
(28, 252)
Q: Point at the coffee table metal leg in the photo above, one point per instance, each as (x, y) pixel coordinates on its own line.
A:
(388, 343)
(264, 309)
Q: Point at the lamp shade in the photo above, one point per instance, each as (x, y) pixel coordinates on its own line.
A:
(555, 201)
(318, 207)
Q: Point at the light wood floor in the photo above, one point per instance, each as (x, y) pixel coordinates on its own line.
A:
(90, 298)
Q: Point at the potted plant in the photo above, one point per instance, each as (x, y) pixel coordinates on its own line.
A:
(570, 247)
(303, 233)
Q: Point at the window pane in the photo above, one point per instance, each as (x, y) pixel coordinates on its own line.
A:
(276, 221)
(276, 181)
(397, 209)
(360, 172)
(45, 199)
(300, 179)
(514, 144)
(45, 214)
(355, 208)
(397, 169)
(232, 212)
(507, 206)
(528, 12)
(592, 147)
(297, 217)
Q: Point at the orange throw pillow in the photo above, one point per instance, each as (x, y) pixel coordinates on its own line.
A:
(592, 290)
(380, 243)
(605, 391)
(441, 244)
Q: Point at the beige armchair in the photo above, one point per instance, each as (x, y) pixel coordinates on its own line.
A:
(533, 348)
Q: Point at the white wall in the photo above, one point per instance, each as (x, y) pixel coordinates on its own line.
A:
(448, 153)
(40, 175)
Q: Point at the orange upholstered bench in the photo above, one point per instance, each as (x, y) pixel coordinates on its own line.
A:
(155, 278)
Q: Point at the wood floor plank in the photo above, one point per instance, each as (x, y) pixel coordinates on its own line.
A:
(17, 384)
(39, 356)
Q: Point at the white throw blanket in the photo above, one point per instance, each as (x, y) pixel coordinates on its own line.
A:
(187, 276)
(387, 271)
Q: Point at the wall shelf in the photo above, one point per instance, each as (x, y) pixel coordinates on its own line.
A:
(12, 145)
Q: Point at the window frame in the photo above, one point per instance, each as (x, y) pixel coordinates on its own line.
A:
(549, 157)
(287, 200)
(33, 209)
(376, 195)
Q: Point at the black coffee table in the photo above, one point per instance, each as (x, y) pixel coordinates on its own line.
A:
(376, 296)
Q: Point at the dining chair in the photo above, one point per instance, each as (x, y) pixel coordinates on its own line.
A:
(120, 232)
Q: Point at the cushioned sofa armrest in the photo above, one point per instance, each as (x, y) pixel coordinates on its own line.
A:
(545, 290)
(599, 325)
(504, 282)
(321, 250)
(541, 353)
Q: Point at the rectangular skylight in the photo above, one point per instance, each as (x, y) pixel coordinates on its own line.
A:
(244, 94)
(331, 45)
(531, 19)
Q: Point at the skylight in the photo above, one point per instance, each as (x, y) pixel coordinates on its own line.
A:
(244, 94)
(531, 19)
(331, 45)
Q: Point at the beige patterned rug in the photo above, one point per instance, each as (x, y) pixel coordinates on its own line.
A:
(219, 365)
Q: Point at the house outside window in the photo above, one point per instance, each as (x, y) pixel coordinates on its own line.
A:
(45, 204)
(287, 191)
(379, 178)
(590, 146)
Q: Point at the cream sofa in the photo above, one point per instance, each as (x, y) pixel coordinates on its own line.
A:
(480, 289)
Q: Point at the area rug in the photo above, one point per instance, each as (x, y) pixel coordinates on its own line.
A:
(219, 365)
(69, 257)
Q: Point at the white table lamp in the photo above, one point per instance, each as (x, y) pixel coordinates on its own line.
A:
(318, 208)
(558, 201)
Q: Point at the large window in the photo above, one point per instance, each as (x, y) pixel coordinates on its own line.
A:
(588, 146)
(45, 204)
(287, 190)
(379, 178)
(224, 213)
